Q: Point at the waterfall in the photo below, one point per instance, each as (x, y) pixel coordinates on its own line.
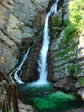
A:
(17, 69)
(42, 62)
(45, 45)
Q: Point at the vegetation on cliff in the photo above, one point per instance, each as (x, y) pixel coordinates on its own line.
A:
(76, 17)
(76, 22)
(66, 54)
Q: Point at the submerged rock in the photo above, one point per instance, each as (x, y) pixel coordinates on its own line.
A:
(81, 92)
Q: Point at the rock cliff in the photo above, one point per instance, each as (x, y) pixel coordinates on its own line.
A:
(19, 20)
(67, 48)
(21, 23)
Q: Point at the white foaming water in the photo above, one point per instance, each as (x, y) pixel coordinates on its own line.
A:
(44, 50)
(16, 70)
(43, 55)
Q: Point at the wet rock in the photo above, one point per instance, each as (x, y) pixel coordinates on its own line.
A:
(75, 110)
(3, 86)
(30, 72)
(65, 11)
(67, 84)
(0, 110)
(81, 92)
(25, 107)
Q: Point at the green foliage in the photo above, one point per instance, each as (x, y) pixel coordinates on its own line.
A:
(81, 81)
(32, 1)
(71, 70)
(55, 21)
(74, 69)
(76, 21)
(69, 31)
(76, 8)
(9, 111)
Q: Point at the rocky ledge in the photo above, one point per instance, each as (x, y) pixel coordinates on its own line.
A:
(75, 110)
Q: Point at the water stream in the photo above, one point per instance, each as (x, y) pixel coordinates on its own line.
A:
(15, 72)
(45, 45)
(42, 62)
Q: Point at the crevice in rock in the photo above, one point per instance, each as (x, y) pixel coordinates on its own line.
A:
(4, 77)
(5, 43)
(30, 66)
(9, 37)
(11, 12)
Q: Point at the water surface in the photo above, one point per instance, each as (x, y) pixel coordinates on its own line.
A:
(48, 99)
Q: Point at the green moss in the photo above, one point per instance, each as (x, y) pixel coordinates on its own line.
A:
(67, 40)
(81, 81)
(55, 21)
(74, 69)
(68, 57)
(32, 1)
(55, 26)
(68, 49)
(68, 35)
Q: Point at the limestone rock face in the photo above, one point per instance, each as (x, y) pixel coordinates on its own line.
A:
(19, 19)
(57, 47)
(80, 76)
(67, 52)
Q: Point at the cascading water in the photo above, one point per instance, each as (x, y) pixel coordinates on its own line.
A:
(42, 62)
(44, 50)
(16, 70)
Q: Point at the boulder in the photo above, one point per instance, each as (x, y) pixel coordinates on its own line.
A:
(75, 110)
(81, 92)
(66, 84)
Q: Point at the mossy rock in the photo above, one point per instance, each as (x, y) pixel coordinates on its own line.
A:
(74, 69)
(81, 81)
(55, 21)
